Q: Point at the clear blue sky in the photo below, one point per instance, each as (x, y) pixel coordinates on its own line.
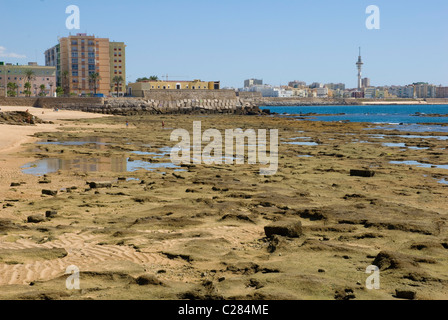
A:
(233, 40)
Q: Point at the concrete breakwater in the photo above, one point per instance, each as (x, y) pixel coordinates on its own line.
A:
(132, 106)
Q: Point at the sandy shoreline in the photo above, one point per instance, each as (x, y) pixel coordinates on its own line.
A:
(12, 137)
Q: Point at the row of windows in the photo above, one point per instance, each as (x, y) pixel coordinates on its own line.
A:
(90, 54)
(169, 87)
(20, 72)
(90, 42)
(20, 79)
(115, 49)
(90, 61)
(76, 73)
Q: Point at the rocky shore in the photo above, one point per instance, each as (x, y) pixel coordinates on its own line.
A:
(104, 197)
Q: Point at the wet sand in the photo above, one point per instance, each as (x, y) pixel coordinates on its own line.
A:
(199, 233)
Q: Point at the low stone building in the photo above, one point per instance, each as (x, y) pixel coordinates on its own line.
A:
(137, 89)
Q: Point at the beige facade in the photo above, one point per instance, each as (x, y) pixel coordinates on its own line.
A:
(82, 55)
(117, 56)
(137, 89)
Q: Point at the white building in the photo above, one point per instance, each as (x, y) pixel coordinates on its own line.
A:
(322, 92)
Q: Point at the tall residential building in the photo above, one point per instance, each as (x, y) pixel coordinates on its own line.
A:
(316, 85)
(252, 82)
(335, 86)
(117, 53)
(365, 83)
(425, 90)
(77, 57)
(442, 92)
(359, 65)
(16, 74)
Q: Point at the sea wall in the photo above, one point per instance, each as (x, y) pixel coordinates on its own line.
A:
(177, 95)
(48, 102)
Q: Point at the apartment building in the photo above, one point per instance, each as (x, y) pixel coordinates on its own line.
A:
(78, 57)
(42, 75)
(117, 54)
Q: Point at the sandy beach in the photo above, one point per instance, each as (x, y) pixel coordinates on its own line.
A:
(139, 228)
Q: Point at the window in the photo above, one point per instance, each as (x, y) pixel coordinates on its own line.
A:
(91, 67)
(74, 43)
(91, 61)
(74, 66)
(91, 55)
(75, 61)
(75, 73)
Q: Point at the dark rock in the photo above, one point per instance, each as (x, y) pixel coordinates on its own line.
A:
(147, 280)
(292, 229)
(405, 294)
(344, 294)
(15, 184)
(362, 173)
(51, 214)
(36, 219)
(391, 260)
(99, 185)
(49, 192)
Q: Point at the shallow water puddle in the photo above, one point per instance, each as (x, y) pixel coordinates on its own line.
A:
(420, 165)
(51, 165)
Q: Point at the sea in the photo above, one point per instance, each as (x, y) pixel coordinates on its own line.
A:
(383, 114)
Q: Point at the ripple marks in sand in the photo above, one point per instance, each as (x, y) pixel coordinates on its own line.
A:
(82, 254)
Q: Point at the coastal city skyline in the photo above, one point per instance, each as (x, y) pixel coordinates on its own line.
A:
(215, 52)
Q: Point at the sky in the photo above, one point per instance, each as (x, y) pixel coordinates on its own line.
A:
(233, 40)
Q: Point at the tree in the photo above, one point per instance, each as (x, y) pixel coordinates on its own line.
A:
(12, 87)
(29, 76)
(42, 90)
(59, 91)
(151, 78)
(117, 81)
(27, 92)
(65, 82)
(93, 80)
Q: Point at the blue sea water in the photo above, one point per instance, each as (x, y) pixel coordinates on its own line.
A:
(371, 113)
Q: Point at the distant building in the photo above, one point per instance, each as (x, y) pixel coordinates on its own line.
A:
(442, 92)
(365, 83)
(117, 54)
(322, 92)
(316, 85)
(42, 75)
(137, 89)
(77, 57)
(282, 93)
(297, 84)
(335, 86)
(404, 92)
(370, 93)
(424, 90)
(252, 82)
